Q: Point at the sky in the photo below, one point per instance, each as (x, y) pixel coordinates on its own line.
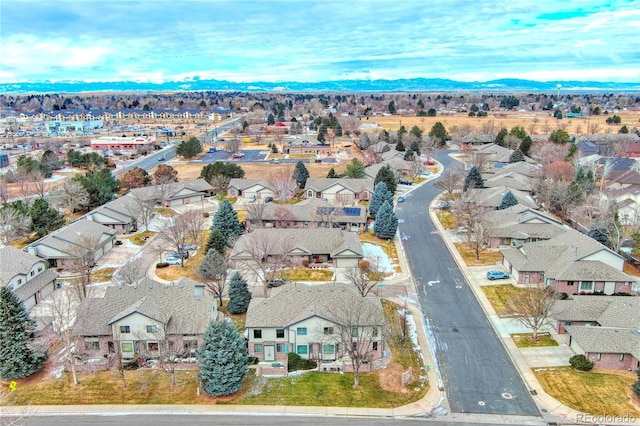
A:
(311, 41)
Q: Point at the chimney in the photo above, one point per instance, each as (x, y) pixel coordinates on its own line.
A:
(198, 291)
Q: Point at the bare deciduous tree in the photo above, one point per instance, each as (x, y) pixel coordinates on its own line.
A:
(85, 253)
(255, 213)
(532, 308)
(283, 184)
(64, 303)
(450, 181)
(195, 222)
(360, 279)
(13, 224)
(71, 196)
(131, 272)
(141, 205)
(174, 234)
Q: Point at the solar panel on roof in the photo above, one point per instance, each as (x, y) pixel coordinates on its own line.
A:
(352, 211)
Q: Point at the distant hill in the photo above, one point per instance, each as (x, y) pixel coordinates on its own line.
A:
(404, 85)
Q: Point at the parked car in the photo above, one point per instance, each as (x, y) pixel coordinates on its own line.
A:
(252, 199)
(188, 247)
(118, 243)
(173, 260)
(497, 275)
(401, 199)
(184, 253)
(268, 199)
(444, 205)
(277, 282)
(406, 182)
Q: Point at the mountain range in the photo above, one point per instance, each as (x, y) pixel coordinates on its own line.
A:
(349, 86)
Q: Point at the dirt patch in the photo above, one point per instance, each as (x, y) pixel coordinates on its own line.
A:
(390, 378)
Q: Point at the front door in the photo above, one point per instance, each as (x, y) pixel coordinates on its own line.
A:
(269, 353)
(609, 287)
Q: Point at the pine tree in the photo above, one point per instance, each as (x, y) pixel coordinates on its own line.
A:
(216, 241)
(409, 156)
(516, 156)
(386, 223)
(239, 295)
(223, 359)
(355, 169)
(415, 147)
(473, 179)
(17, 333)
(44, 219)
(635, 387)
(332, 174)
(213, 270)
(508, 200)
(386, 175)
(226, 220)
(400, 146)
(300, 174)
(380, 195)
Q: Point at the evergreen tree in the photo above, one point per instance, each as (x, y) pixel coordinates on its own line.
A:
(380, 195)
(239, 295)
(226, 220)
(300, 174)
(44, 219)
(508, 200)
(271, 120)
(516, 156)
(415, 147)
(17, 334)
(332, 174)
(635, 387)
(386, 223)
(400, 146)
(101, 186)
(355, 169)
(223, 359)
(216, 242)
(500, 136)
(386, 175)
(190, 148)
(473, 179)
(409, 156)
(439, 133)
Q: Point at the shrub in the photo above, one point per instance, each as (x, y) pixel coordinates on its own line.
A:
(131, 365)
(305, 263)
(562, 296)
(296, 362)
(364, 264)
(205, 214)
(580, 362)
(162, 265)
(635, 387)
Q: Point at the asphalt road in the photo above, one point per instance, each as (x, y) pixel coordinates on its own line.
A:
(477, 373)
(165, 419)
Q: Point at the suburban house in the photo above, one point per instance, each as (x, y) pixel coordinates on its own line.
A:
(309, 213)
(148, 319)
(520, 175)
(307, 146)
(490, 198)
(120, 214)
(342, 191)
(320, 247)
(248, 190)
(316, 322)
(115, 143)
(484, 156)
(26, 275)
(571, 262)
(395, 160)
(175, 194)
(605, 329)
(64, 246)
(518, 225)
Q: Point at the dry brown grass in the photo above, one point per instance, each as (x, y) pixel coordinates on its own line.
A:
(631, 270)
(447, 220)
(102, 275)
(499, 294)
(190, 269)
(589, 392)
(306, 274)
(487, 257)
(140, 238)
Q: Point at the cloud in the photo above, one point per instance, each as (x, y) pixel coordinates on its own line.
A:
(313, 40)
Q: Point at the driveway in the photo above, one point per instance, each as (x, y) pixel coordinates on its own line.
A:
(478, 375)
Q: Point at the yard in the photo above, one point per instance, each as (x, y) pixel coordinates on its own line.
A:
(139, 238)
(487, 257)
(524, 340)
(190, 270)
(389, 247)
(498, 294)
(306, 274)
(588, 392)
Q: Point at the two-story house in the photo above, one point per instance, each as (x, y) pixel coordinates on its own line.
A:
(310, 321)
(26, 275)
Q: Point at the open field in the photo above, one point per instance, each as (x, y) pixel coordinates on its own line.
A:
(589, 392)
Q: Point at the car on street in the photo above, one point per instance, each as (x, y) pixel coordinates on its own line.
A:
(173, 260)
(497, 275)
(238, 155)
(277, 282)
(401, 199)
(406, 182)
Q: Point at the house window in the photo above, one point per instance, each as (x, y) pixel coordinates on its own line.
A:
(621, 357)
(301, 350)
(257, 349)
(126, 347)
(31, 273)
(39, 268)
(329, 349)
(281, 347)
(189, 343)
(301, 331)
(354, 346)
(91, 345)
(309, 193)
(566, 323)
(375, 346)
(374, 332)
(257, 334)
(280, 333)
(571, 283)
(125, 329)
(19, 281)
(599, 356)
(586, 286)
(328, 330)
(152, 346)
(232, 191)
(354, 331)
(152, 329)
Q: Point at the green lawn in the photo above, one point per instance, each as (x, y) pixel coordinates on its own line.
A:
(524, 340)
(320, 389)
(498, 294)
(588, 392)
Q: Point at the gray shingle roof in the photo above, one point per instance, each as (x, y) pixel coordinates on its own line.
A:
(606, 340)
(355, 185)
(492, 197)
(313, 241)
(243, 184)
(36, 284)
(295, 302)
(77, 233)
(185, 313)
(312, 210)
(14, 262)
